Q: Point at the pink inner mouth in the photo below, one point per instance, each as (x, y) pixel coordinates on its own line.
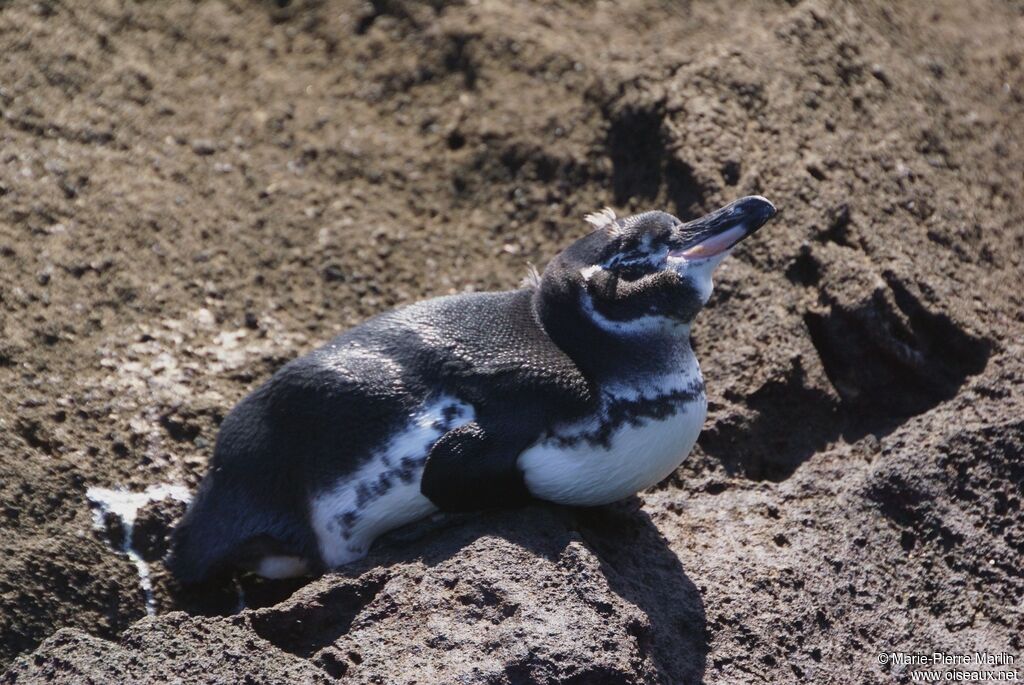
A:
(714, 245)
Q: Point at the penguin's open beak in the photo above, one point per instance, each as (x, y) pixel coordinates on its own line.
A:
(721, 229)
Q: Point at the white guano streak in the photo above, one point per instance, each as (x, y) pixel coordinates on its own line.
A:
(125, 505)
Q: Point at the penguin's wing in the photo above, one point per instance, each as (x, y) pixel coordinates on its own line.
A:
(474, 466)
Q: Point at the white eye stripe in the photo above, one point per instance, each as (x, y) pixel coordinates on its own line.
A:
(588, 272)
(654, 259)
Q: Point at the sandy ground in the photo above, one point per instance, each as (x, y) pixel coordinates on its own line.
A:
(192, 194)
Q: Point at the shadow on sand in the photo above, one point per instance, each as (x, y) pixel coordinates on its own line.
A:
(634, 559)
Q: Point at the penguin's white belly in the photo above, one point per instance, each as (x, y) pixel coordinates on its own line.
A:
(384, 493)
(568, 468)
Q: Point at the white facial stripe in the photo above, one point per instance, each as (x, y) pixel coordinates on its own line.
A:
(639, 326)
(654, 259)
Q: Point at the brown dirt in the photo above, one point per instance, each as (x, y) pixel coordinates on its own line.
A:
(191, 194)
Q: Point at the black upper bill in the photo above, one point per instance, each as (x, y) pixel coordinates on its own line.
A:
(723, 228)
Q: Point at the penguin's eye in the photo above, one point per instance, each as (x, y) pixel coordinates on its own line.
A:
(632, 267)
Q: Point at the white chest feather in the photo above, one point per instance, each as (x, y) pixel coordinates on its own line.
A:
(639, 436)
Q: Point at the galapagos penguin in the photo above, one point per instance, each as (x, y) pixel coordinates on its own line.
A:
(579, 388)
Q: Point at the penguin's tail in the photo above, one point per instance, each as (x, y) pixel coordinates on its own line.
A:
(226, 528)
(204, 540)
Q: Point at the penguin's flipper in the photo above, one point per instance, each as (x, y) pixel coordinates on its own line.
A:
(474, 467)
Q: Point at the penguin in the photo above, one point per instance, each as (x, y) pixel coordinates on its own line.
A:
(579, 388)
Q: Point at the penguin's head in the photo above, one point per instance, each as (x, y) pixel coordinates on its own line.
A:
(650, 272)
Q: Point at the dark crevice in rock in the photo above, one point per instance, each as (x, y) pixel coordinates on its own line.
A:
(151, 531)
(732, 171)
(637, 147)
(684, 191)
(791, 422)
(896, 361)
(888, 358)
(457, 60)
(804, 270)
(643, 167)
(838, 230)
(221, 597)
(180, 427)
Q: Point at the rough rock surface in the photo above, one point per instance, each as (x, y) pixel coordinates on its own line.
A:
(153, 524)
(191, 194)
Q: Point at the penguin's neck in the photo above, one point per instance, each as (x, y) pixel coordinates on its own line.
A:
(616, 354)
(674, 374)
